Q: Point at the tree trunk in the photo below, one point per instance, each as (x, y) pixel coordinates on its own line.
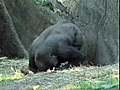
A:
(29, 19)
(98, 20)
(10, 45)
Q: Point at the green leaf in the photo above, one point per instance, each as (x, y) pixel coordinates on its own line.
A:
(105, 86)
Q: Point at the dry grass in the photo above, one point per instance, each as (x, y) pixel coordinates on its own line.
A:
(58, 80)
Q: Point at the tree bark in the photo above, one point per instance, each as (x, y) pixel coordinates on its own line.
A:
(29, 19)
(10, 45)
(98, 20)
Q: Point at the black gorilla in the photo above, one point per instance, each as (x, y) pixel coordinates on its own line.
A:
(55, 45)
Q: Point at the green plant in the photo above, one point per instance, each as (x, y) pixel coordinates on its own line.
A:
(111, 84)
(42, 2)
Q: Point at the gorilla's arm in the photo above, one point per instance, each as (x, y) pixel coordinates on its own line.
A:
(69, 52)
(32, 65)
(78, 40)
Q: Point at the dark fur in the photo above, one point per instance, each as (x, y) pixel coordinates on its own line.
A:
(56, 44)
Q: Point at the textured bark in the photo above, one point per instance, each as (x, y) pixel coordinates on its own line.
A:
(98, 19)
(29, 19)
(10, 45)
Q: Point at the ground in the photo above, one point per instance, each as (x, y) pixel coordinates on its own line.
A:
(52, 80)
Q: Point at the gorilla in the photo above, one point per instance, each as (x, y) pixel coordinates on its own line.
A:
(56, 44)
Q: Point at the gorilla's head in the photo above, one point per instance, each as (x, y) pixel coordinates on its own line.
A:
(45, 62)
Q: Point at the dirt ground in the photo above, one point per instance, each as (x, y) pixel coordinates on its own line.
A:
(52, 80)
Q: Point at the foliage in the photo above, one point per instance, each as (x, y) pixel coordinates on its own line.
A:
(42, 2)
